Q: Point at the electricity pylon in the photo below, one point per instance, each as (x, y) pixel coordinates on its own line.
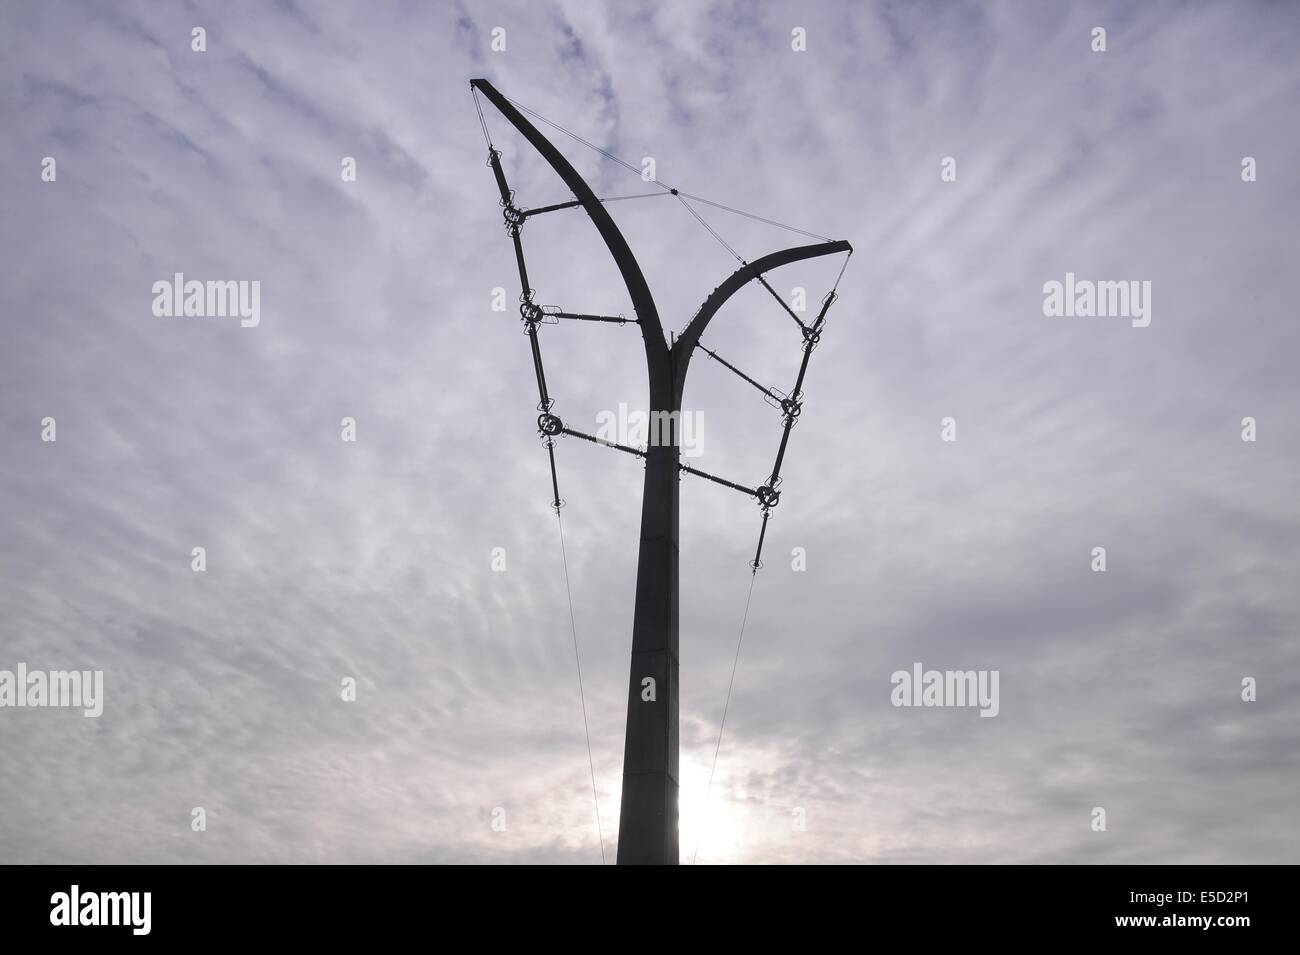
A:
(648, 831)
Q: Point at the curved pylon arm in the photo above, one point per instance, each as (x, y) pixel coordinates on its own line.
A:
(685, 344)
(666, 365)
(767, 495)
(647, 316)
(637, 288)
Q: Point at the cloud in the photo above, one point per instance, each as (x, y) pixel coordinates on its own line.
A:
(371, 559)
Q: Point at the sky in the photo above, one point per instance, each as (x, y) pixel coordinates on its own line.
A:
(373, 560)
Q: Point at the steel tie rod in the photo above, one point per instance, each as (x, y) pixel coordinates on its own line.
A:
(609, 444)
(582, 317)
(771, 393)
(797, 320)
(717, 480)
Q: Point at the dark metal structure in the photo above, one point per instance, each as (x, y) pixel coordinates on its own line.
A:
(648, 831)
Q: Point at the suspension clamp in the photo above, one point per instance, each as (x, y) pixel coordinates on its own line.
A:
(513, 215)
(549, 425)
(532, 313)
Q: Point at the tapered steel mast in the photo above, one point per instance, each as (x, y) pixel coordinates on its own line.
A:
(648, 824)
